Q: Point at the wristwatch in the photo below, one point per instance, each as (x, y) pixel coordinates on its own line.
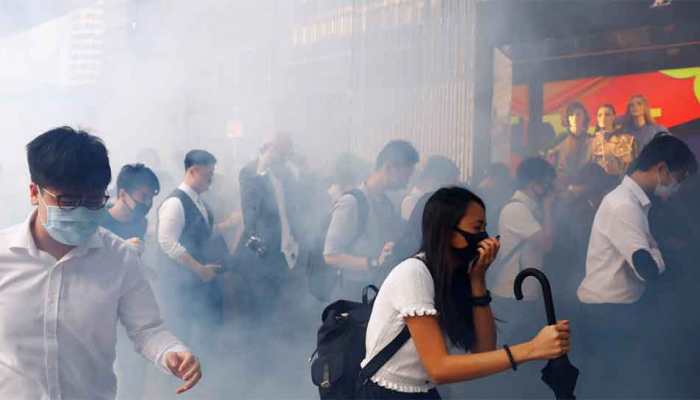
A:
(372, 262)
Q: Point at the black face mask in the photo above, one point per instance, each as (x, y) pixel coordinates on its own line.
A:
(468, 254)
(140, 210)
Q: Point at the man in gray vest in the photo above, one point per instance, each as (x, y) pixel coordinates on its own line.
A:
(185, 229)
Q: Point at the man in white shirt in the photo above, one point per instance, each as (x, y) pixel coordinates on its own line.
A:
(364, 224)
(525, 226)
(193, 255)
(623, 260)
(65, 283)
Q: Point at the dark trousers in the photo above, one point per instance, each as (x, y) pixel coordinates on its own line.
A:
(617, 353)
(190, 304)
(372, 391)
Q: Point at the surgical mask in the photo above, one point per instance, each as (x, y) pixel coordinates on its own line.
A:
(666, 191)
(71, 227)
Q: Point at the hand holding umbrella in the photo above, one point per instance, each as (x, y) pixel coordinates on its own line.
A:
(559, 374)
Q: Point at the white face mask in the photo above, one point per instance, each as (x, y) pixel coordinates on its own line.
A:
(73, 227)
(666, 191)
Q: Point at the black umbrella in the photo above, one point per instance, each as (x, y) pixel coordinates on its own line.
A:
(559, 374)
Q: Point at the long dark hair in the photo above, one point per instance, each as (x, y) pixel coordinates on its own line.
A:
(442, 214)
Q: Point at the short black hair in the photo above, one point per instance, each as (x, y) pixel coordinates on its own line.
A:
(134, 176)
(439, 169)
(669, 149)
(399, 152)
(69, 160)
(534, 170)
(199, 157)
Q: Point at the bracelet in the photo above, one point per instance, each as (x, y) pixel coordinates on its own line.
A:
(513, 364)
(481, 301)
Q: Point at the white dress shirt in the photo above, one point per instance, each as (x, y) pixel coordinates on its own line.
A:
(289, 245)
(518, 222)
(620, 228)
(171, 222)
(58, 319)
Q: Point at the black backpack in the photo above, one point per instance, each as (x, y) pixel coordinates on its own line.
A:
(322, 278)
(335, 365)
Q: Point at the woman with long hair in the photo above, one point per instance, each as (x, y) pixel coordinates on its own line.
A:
(639, 122)
(441, 293)
(612, 149)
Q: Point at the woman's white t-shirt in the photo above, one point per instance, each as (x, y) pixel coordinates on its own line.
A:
(408, 291)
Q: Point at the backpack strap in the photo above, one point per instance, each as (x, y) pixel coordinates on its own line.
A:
(520, 245)
(378, 361)
(362, 212)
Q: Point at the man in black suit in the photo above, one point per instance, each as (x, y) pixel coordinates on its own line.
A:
(271, 202)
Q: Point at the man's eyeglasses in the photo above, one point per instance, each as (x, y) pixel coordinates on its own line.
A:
(70, 202)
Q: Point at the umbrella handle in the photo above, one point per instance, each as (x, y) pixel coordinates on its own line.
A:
(546, 290)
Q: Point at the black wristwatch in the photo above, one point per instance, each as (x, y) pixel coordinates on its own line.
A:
(481, 301)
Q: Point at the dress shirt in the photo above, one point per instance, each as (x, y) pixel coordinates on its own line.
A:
(171, 222)
(289, 245)
(58, 318)
(620, 228)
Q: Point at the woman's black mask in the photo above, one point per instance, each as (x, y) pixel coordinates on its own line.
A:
(468, 254)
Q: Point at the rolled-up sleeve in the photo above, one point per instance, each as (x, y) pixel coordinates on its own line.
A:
(629, 232)
(140, 315)
(171, 222)
(343, 226)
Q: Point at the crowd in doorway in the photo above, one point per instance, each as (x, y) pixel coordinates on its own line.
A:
(243, 262)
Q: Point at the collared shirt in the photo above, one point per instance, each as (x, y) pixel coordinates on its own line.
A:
(58, 318)
(289, 245)
(620, 228)
(518, 222)
(171, 222)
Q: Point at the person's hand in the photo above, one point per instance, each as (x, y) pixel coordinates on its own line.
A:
(386, 252)
(488, 250)
(137, 243)
(552, 342)
(185, 366)
(208, 272)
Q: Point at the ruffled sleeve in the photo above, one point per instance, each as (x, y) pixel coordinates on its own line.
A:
(412, 290)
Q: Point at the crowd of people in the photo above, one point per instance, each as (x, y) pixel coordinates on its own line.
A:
(613, 143)
(601, 214)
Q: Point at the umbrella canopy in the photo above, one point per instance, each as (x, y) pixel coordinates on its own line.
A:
(559, 374)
